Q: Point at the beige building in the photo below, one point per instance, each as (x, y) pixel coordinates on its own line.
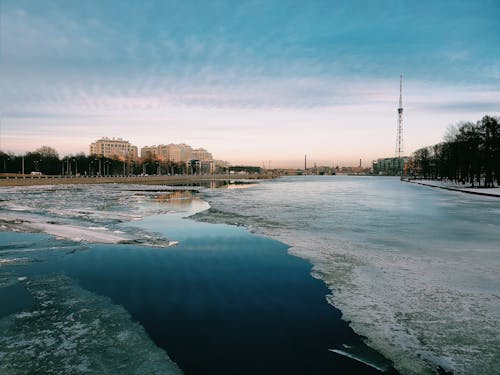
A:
(149, 152)
(201, 154)
(180, 153)
(113, 148)
(177, 153)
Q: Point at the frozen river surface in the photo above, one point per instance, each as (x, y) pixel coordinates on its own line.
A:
(415, 269)
(90, 274)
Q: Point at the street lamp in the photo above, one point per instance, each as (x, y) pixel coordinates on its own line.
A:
(106, 167)
(99, 160)
(5, 165)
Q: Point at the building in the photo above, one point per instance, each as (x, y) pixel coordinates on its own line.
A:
(149, 152)
(115, 148)
(178, 153)
(175, 153)
(201, 154)
(389, 166)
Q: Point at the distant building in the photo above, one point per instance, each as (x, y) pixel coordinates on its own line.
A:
(178, 153)
(149, 152)
(175, 153)
(389, 166)
(115, 148)
(201, 154)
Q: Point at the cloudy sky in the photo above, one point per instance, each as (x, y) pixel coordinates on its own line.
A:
(251, 81)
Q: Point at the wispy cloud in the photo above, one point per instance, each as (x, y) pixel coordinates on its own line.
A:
(242, 69)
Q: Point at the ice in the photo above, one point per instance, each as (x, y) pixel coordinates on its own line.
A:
(414, 270)
(77, 233)
(14, 261)
(69, 330)
(91, 214)
(360, 359)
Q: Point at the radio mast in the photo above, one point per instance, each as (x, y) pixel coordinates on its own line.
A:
(399, 145)
(399, 142)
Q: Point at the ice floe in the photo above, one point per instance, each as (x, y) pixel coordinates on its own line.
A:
(72, 331)
(93, 214)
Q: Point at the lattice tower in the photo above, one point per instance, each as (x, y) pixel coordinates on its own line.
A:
(399, 141)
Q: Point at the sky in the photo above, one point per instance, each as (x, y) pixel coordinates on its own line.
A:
(262, 81)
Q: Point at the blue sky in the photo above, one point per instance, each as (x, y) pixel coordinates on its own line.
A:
(251, 81)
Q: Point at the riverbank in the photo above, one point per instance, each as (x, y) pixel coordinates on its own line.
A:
(468, 189)
(143, 180)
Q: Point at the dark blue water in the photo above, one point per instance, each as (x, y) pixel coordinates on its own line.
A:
(223, 301)
(14, 298)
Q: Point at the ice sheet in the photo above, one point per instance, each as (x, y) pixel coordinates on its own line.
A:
(94, 213)
(71, 331)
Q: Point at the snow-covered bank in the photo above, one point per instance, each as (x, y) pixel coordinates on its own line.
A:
(449, 185)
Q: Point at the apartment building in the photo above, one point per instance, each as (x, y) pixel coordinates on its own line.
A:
(201, 154)
(176, 153)
(113, 148)
(150, 152)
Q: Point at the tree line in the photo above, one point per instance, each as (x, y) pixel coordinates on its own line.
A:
(470, 153)
(47, 161)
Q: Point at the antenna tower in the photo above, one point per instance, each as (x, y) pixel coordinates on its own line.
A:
(399, 144)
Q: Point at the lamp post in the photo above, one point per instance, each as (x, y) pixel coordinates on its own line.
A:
(76, 167)
(68, 166)
(99, 160)
(106, 167)
(5, 165)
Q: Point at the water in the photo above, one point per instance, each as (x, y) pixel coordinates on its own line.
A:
(222, 301)
(414, 269)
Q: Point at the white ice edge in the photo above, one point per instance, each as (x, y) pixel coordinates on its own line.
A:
(77, 234)
(359, 359)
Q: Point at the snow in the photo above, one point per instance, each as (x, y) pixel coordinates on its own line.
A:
(450, 185)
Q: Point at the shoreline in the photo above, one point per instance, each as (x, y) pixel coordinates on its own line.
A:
(142, 180)
(465, 189)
